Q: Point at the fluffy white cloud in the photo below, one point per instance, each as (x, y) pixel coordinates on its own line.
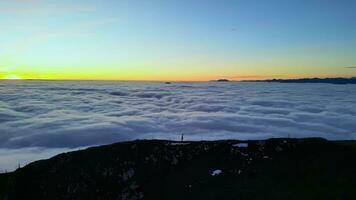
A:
(54, 114)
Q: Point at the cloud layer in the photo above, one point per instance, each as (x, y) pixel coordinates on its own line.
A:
(63, 115)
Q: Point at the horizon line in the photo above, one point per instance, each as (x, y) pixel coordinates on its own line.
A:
(149, 80)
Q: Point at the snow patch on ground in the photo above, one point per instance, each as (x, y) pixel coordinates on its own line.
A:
(216, 172)
(240, 145)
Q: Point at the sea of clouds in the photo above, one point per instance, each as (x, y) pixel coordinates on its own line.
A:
(39, 119)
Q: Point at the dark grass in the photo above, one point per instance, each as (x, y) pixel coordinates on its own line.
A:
(3, 185)
(152, 169)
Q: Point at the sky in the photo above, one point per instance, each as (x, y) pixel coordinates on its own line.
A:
(177, 40)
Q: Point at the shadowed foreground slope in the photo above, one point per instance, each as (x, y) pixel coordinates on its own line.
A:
(152, 169)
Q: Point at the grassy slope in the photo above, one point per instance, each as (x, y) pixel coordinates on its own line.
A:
(294, 169)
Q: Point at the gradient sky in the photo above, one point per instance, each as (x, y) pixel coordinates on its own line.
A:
(177, 40)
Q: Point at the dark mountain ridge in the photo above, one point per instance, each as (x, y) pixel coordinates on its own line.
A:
(311, 168)
(351, 80)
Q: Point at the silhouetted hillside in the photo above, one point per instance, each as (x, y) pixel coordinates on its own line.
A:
(312, 80)
(221, 80)
(152, 169)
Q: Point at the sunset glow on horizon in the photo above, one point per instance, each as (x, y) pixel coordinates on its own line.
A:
(174, 40)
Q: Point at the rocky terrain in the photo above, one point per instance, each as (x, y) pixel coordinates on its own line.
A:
(154, 169)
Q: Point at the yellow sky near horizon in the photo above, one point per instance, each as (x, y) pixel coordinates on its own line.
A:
(157, 74)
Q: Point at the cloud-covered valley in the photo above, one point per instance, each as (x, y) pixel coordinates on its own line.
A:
(51, 115)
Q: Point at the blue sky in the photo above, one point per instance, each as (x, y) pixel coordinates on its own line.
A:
(179, 40)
